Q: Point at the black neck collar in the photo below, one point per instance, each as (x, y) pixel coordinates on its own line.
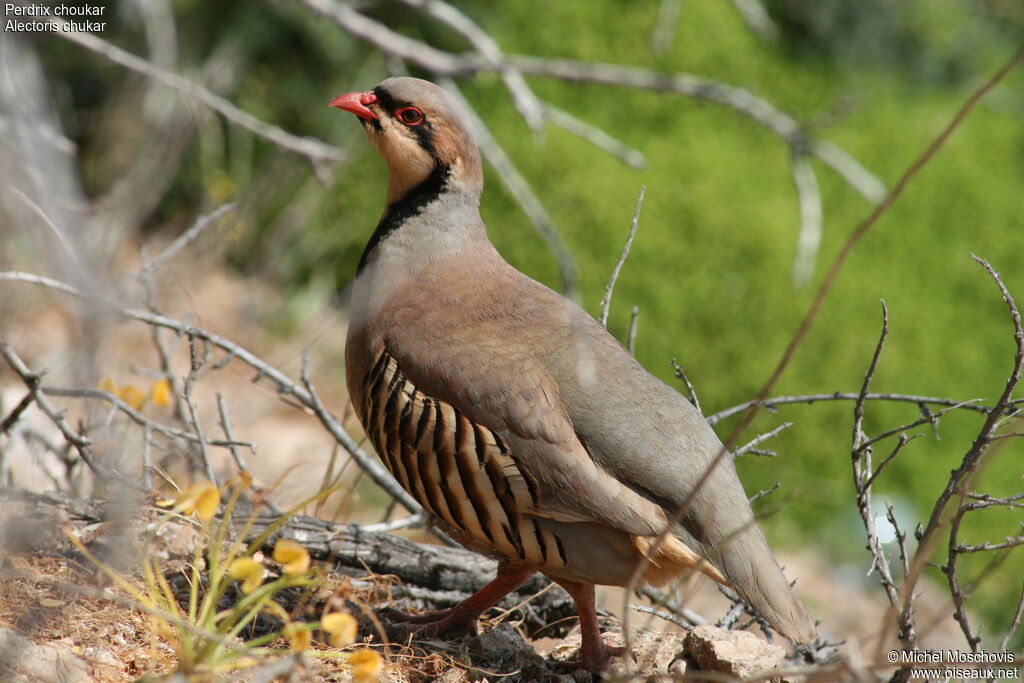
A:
(409, 205)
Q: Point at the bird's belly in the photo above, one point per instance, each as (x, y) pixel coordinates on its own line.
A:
(461, 472)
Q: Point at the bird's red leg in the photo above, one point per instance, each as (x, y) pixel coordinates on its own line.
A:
(594, 652)
(466, 613)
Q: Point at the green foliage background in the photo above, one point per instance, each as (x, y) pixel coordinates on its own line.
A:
(711, 266)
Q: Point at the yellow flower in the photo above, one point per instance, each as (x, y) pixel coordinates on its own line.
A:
(202, 498)
(220, 187)
(299, 636)
(248, 571)
(342, 626)
(132, 395)
(293, 556)
(365, 665)
(161, 393)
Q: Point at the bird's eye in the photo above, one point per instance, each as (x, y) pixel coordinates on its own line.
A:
(410, 116)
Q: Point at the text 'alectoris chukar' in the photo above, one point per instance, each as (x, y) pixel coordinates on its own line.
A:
(511, 415)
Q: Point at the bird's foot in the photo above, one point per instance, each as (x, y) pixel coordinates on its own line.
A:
(595, 661)
(436, 622)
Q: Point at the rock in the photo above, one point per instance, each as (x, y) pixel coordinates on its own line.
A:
(653, 653)
(502, 649)
(22, 661)
(454, 675)
(737, 653)
(659, 653)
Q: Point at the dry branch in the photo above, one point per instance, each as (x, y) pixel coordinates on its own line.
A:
(319, 153)
(285, 387)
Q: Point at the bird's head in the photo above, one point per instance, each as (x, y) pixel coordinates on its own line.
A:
(420, 129)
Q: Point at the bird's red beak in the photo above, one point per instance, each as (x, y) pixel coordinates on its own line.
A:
(356, 102)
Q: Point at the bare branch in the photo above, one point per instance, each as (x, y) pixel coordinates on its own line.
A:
(319, 153)
(764, 493)
(691, 392)
(858, 234)
(444, 64)
(809, 197)
(13, 416)
(606, 300)
(903, 441)
(927, 418)
(667, 602)
(595, 136)
(527, 104)
(1010, 542)
(82, 444)
(960, 479)
(186, 238)
(751, 446)
(858, 408)
(901, 538)
(631, 337)
(756, 17)
(960, 476)
(225, 424)
(671, 618)
(1015, 622)
(195, 372)
(775, 401)
(863, 477)
(665, 30)
(743, 101)
(285, 386)
(140, 419)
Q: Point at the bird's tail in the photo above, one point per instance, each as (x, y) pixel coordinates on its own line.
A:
(751, 569)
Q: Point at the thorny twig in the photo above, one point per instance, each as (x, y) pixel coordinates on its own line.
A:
(775, 401)
(863, 476)
(150, 266)
(631, 336)
(764, 493)
(961, 478)
(691, 393)
(81, 443)
(595, 136)
(606, 300)
(901, 593)
(751, 446)
(1015, 622)
(286, 388)
(809, 198)
(445, 64)
(196, 370)
(812, 314)
(667, 616)
(526, 102)
(140, 419)
(320, 154)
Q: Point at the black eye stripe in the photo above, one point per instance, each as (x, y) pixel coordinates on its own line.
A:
(423, 131)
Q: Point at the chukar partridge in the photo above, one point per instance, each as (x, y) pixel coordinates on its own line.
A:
(511, 415)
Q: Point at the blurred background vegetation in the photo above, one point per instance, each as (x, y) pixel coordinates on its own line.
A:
(712, 268)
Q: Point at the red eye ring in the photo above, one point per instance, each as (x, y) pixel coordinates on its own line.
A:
(410, 116)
